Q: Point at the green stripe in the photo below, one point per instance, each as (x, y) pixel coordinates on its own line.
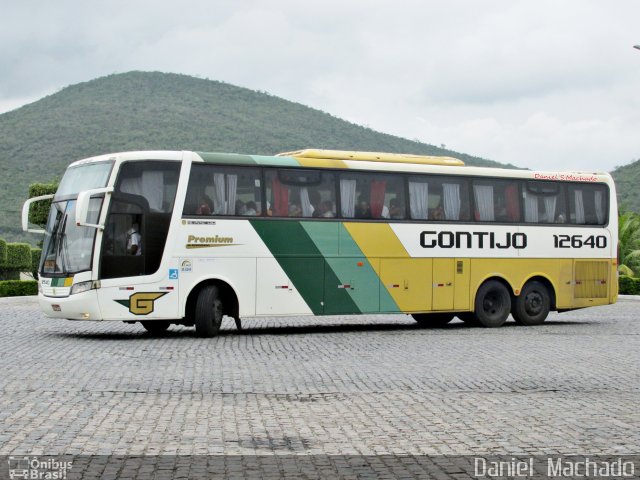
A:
(326, 265)
(304, 264)
(237, 159)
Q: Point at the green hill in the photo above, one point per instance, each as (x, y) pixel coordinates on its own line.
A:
(627, 180)
(142, 111)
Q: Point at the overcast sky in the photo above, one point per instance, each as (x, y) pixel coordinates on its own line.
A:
(543, 84)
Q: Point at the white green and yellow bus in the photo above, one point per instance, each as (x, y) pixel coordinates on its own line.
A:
(163, 237)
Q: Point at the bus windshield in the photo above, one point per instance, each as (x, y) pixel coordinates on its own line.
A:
(68, 248)
(83, 177)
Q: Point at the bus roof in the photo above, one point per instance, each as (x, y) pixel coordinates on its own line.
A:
(317, 154)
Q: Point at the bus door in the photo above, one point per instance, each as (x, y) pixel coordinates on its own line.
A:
(133, 244)
(451, 284)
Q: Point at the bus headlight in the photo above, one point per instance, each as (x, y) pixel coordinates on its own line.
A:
(84, 287)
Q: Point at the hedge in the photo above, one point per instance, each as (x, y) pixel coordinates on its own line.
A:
(18, 257)
(18, 288)
(3, 252)
(628, 285)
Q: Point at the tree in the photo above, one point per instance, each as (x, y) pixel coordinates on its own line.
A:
(629, 243)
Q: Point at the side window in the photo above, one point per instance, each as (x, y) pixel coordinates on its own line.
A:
(544, 202)
(496, 200)
(300, 193)
(588, 204)
(372, 196)
(153, 183)
(439, 198)
(216, 190)
(139, 217)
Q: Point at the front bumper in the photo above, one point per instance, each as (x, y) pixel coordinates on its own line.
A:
(82, 306)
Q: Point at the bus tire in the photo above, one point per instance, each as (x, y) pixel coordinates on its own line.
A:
(155, 326)
(208, 314)
(493, 304)
(439, 319)
(532, 306)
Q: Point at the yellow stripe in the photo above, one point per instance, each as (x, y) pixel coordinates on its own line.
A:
(407, 280)
(68, 281)
(321, 162)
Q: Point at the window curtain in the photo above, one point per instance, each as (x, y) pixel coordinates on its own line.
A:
(419, 200)
(220, 207)
(550, 208)
(484, 202)
(530, 207)
(378, 188)
(579, 206)
(451, 194)
(132, 185)
(307, 208)
(232, 187)
(280, 198)
(513, 205)
(599, 201)
(347, 197)
(153, 189)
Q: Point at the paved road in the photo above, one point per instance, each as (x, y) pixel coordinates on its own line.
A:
(363, 386)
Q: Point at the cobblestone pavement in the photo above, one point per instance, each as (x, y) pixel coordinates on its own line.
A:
(365, 386)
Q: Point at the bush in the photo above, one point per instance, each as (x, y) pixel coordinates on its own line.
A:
(3, 253)
(18, 257)
(17, 288)
(628, 285)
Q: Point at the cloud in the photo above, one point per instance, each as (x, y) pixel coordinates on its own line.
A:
(533, 83)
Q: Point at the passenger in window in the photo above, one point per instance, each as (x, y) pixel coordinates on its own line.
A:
(394, 209)
(134, 240)
(204, 206)
(362, 208)
(437, 213)
(295, 210)
(251, 209)
(560, 218)
(240, 207)
(327, 210)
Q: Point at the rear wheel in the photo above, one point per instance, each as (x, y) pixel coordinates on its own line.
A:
(208, 314)
(432, 319)
(532, 305)
(157, 326)
(493, 304)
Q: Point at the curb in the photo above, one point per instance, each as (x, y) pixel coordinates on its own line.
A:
(28, 300)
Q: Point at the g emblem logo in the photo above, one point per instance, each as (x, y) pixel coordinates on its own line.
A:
(142, 303)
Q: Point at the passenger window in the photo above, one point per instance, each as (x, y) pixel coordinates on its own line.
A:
(372, 196)
(300, 193)
(544, 203)
(438, 198)
(496, 200)
(587, 204)
(216, 190)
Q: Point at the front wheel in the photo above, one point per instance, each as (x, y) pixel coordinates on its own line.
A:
(532, 305)
(493, 304)
(432, 319)
(208, 314)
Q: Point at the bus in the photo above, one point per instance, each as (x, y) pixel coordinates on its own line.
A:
(162, 237)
